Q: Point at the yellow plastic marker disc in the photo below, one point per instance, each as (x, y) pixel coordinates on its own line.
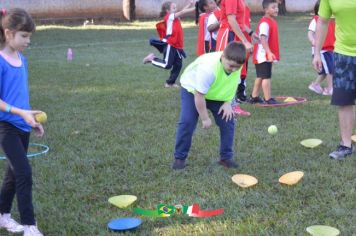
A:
(290, 99)
(291, 178)
(322, 230)
(244, 181)
(311, 143)
(122, 201)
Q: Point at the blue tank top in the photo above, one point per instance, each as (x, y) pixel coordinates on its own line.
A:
(14, 91)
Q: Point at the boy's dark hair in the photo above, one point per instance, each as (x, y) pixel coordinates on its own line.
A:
(265, 3)
(165, 7)
(235, 51)
(15, 19)
(316, 8)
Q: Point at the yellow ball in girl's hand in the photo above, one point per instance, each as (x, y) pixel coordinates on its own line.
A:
(41, 117)
(272, 129)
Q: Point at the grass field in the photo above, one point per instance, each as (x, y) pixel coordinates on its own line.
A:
(111, 131)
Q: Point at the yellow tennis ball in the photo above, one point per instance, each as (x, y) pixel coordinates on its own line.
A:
(272, 129)
(41, 117)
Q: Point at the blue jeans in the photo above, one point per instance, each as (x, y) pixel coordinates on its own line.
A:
(188, 120)
(18, 175)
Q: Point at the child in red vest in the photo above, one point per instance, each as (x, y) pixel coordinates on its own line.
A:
(172, 39)
(265, 53)
(327, 55)
(206, 41)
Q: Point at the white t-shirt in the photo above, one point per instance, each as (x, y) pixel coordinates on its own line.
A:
(213, 20)
(312, 28)
(261, 53)
(199, 78)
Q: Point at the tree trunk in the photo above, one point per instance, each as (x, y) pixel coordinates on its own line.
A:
(129, 9)
(282, 10)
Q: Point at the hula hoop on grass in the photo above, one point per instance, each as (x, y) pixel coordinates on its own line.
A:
(284, 101)
(44, 150)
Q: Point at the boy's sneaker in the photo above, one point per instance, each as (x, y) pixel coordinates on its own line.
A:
(254, 100)
(31, 230)
(10, 224)
(148, 58)
(341, 152)
(178, 164)
(241, 98)
(238, 111)
(271, 101)
(229, 163)
(315, 88)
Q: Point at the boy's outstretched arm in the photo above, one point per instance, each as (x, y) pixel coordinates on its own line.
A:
(200, 104)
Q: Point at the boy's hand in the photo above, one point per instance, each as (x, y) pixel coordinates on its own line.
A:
(271, 57)
(226, 109)
(255, 38)
(206, 123)
(39, 131)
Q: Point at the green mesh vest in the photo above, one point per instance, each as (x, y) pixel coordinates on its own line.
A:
(224, 87)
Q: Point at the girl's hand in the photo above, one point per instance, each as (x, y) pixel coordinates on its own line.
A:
(39, 131)
(29, 117)
(318, 66)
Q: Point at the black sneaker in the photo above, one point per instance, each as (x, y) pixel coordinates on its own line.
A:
(241, 98)
(229, 163)
(178, 164)
(271, 101)
(254, 100)
(341, 152)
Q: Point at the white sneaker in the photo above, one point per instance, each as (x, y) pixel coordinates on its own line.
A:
(31, 230)
(10, 224)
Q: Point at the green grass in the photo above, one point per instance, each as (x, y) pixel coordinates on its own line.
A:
(111, 131)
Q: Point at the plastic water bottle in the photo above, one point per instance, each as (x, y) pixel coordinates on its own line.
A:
(69, 55)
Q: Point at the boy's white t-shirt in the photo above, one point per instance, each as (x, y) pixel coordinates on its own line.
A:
(261, 53)
(199, 78)
(212, 20)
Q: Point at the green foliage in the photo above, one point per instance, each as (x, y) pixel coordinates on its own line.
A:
(111, 131)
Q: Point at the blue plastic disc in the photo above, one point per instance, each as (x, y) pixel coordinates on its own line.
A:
(43, 150)
(121, 224)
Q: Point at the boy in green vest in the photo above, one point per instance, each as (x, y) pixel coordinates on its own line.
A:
(209, 82)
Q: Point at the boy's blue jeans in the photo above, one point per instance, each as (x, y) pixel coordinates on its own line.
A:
(188, 120)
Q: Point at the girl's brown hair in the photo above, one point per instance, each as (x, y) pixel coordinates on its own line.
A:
(165, 7)
(15, 19)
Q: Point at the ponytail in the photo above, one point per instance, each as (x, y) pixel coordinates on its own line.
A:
(15, 19)
(2, 33)
(197, 13)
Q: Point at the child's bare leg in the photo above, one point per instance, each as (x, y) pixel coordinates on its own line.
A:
(256, 87)
(319, 79)
(266, 87)
(329, 81)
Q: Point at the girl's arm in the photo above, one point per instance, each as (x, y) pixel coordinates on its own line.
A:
(27, 115)
(311, 37)
(238, 32)
(320, 34)
(187, 9)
